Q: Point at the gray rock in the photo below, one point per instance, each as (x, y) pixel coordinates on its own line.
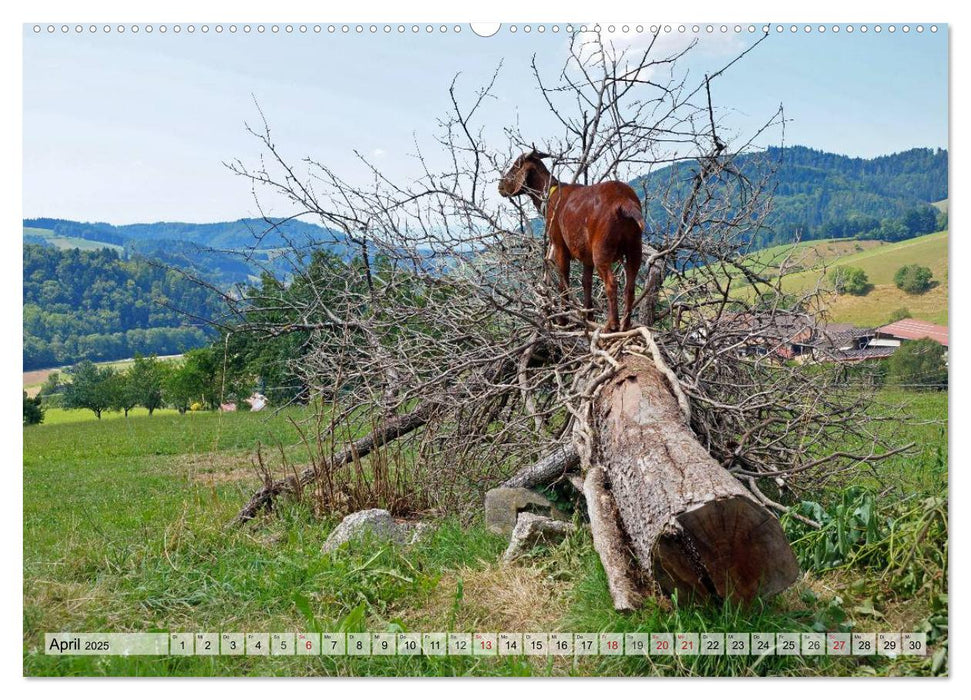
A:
(503, 506)
(531, 530)
(379, 524)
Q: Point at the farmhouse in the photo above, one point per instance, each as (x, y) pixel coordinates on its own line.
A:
(784, 334)
(893, 335)
(844, 342)
(800, 337)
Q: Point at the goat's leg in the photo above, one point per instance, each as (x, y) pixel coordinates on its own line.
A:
(588, 291)
(606, 272)
(562, 259)
(632, 265)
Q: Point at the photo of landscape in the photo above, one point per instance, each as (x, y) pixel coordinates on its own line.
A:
(521, 350)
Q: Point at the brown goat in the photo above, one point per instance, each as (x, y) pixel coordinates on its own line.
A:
(595, 224)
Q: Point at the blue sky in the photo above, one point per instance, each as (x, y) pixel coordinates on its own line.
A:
(126, 128)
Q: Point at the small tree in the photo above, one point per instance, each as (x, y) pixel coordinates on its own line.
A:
(187, 382)
(921, 362)
(33, 411)
(145, 379)
(206, 375)
(90, 387)
(849, 280)
(914, 279)
(121, 393)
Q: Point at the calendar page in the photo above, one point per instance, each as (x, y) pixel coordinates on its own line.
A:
(550, 349)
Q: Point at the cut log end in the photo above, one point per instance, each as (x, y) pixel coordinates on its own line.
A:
(729, 548)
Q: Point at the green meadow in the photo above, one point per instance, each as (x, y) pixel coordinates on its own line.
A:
(126, 529)
(808, 263)
(68, 242)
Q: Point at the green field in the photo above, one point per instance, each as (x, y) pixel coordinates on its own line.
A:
(67, 242)
(807, 264)
(810, 254)
(125, 530)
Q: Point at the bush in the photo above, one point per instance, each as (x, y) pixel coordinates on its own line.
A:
(914, 279)
(849, 280)
(33, 411)
(899, 315)
(920, 362)
(906, 539)
(52, 391)
(870, 374)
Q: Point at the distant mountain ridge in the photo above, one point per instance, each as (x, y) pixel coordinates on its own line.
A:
(212, 250)
(816, 195)
(827, 195)
(227, 235)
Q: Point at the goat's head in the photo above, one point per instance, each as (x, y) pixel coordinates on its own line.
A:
(525, 174)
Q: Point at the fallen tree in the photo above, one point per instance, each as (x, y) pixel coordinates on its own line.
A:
(692, 527)
(687, 435)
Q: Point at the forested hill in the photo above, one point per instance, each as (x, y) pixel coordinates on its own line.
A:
(224, 235)
(223, 253)
(94, 305)
(825, 195)
(90, 292)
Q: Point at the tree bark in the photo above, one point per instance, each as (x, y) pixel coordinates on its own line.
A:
(561, 460)
(608, 541)
(691, 526)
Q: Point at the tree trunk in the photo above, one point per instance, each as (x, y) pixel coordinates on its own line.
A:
(692, 527)
(608, 541)
(563, 459)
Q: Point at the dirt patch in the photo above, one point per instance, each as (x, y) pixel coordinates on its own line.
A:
(217, 467)
(245, 474)
(505, 598)
(34, 380)
(230, 467)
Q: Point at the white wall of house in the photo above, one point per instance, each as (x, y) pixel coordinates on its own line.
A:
(885, 342)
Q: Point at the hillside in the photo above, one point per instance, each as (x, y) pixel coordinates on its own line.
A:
(819, 195)
(225, 235)
(48, 237)
(845, 210)
(222, 253)
(94, 305)
(879, 261)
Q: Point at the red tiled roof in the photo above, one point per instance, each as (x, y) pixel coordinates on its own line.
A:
(912, 329)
